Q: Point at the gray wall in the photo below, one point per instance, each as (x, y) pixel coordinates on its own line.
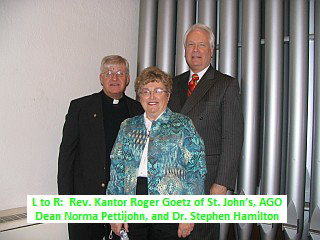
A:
(50, 53)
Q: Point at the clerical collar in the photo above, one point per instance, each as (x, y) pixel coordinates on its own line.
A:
(200, 74)
(111, 100)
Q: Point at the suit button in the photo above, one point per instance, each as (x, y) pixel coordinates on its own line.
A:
(103, 184)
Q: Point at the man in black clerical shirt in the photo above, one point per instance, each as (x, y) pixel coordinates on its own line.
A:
(91, 127)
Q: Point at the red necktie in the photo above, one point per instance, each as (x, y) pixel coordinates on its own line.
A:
(193, 83)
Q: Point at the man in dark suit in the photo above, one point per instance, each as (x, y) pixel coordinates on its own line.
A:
(211, 99)
(89, 132)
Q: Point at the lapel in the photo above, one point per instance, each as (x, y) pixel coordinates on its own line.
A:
(133, 107)
(138, 138)
(205, 84)
(184, 89)
(179, 92)
(95, 119)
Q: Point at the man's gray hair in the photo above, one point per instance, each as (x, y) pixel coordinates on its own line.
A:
(113, 60)
(202, 27)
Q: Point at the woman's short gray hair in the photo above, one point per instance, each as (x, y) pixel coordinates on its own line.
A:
(153, 74)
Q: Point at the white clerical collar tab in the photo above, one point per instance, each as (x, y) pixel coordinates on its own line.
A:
(115, 101)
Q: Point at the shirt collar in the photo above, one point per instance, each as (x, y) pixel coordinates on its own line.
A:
(200, 74)
(110, 100)
(148, 122)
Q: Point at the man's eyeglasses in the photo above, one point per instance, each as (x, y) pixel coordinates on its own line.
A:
(118, 74)
(156, 92)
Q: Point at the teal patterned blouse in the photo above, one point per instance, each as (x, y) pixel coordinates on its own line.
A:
(176, 156)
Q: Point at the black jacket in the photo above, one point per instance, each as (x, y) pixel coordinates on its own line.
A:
(82, 156)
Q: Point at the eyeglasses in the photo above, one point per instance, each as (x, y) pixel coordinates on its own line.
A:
(156, 92)
(199, 45)
(118, 74)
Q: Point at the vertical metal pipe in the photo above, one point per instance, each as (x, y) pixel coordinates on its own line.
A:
(310, 118)
(166, 35)
(315, 177)
(228, 37)
(207, 14)
(147, 34)
(285, 99)
(250, 88)
(271, 157)
(228, 62)
(186, 16)
(298, 91)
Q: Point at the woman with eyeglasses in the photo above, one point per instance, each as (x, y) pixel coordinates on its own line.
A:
(157, 153)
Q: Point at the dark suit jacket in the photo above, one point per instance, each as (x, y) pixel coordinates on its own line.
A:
(216, 111)
(82, 156)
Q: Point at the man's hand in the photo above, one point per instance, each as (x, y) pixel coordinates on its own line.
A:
(185, 229)
(217, 189)
(116, 227)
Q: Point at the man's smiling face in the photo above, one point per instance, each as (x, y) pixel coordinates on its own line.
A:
(197, 50)
(115, 84)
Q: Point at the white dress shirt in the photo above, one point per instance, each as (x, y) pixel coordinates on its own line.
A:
(143, 167)
(200, 74)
